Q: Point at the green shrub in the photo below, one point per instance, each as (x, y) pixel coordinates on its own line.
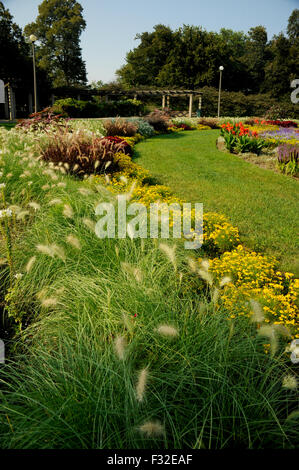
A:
(239, 104)
(72, 108)
(143, 127)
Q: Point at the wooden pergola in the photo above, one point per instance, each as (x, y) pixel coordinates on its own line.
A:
(165, 95)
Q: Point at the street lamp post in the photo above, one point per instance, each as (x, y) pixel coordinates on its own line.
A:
(221, 68)
(33, 39)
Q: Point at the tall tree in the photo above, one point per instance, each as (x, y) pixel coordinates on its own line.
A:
(293, 26)
(146, 60)
(255, 57)
(58, 28)
(13, 45)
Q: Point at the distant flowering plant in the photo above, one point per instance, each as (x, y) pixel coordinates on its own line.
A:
(288, 159)
(281, 136)
(241, 139)
(42, 120)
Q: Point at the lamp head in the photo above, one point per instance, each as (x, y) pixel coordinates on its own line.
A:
(221, 68)
(32, 38)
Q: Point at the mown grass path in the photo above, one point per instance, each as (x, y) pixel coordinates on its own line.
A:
(262, 204)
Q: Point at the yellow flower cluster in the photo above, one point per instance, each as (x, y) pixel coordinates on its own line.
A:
(132, 140)
(219, 233)
(253, 276)
(262, 128)
(201, 127)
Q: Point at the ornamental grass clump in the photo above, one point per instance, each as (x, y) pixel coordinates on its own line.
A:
(159, 120)
(120, 127)
(82, 153)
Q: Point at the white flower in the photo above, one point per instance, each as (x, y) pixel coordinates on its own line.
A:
(2, 185)
(18, 276)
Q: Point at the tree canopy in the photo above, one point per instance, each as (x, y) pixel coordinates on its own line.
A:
(13, 45)
(58, 28)
(190, 56)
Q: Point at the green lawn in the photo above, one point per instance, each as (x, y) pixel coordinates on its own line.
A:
(7, 125)
(262, 204)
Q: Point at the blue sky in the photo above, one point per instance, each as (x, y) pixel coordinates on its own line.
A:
(112, 25)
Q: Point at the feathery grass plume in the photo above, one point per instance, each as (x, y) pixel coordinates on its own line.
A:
(120, 346)
(133, 270)
(30, 264)
(84, 191)
(74, 241)
(170, 253)
(58, 251)
(61, 185)
(289, 382)
(68, 211)
(204, 272)
(193, 265)
(167, 330)
(34, 205)
(50, 302)
(224, 281)
(141, 384)
(107, 179)
(46, 250)
(215, 295)
(89, 223)
(130, 231)
(96, 164)
(127, 323)
(152, 429)
(268, 331)
(123, 179)
(53, 176)
(55, 201)
(257, 315)
(45, 187)
(42, 293)
(14, 208)
(22, 214)
(75, 167)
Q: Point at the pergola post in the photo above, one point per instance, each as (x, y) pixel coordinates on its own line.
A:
(190, 105)
(168, 101)
(30, 103)
(163, 101)
(199, 104)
